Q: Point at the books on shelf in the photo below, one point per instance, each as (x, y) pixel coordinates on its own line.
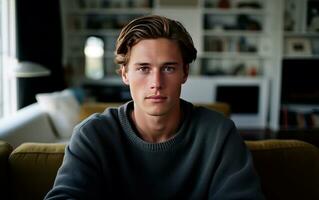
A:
(292, 118)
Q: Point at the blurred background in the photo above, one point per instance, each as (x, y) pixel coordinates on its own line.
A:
(260, 56)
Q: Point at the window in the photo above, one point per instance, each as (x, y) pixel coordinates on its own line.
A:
(7, 57)
(94, 51)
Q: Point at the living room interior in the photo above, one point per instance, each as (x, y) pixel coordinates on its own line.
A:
(250, 55)
(259, 57)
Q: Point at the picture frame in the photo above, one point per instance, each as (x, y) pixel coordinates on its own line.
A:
(298, 47)
(312, 16)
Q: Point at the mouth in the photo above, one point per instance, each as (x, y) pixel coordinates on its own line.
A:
(156, 98)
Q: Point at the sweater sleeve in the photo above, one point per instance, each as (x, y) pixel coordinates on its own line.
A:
(235, 177)
(78, 177)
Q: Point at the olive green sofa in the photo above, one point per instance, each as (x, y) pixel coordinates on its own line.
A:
(288, 169)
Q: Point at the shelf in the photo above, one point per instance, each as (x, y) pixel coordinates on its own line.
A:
(291, 57)
(301, 34)
(232, 33)
(233, 79)
(301, 107)
(233, 11)
(232, 55)
(111, 11)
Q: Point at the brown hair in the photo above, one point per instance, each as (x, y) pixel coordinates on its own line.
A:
(152, 27)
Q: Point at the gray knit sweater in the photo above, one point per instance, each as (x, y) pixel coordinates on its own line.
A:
(206, 159)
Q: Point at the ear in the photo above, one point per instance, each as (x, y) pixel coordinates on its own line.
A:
(185, 71)
(124, 75)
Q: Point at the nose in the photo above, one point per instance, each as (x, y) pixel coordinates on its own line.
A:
(156, 80)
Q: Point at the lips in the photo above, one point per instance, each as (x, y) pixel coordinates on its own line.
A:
(156, 98)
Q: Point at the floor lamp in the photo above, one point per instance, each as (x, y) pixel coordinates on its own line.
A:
(28, 84)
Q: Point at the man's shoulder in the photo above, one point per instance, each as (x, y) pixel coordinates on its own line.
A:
(97, 129)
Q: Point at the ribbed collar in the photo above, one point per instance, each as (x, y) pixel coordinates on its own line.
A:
(124, 117)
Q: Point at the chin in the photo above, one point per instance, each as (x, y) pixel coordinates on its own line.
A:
(158, 111)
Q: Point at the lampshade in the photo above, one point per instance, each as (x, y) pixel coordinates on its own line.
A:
(28, 69)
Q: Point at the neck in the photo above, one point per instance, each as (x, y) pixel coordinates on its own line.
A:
(156, 129)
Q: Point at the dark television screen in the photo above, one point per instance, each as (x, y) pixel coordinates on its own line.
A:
(300, 82)
(242, 99)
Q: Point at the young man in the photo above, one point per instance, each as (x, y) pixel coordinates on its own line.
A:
(156, 146)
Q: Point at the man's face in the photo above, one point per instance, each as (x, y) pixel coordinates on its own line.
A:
(155, 73)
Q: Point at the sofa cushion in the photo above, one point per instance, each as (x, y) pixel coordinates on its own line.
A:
(33, 169)
(63, 109)
(288, 169)
(29, 124)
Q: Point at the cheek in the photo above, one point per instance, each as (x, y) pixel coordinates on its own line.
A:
(136, 85)
(139, 81)
(174, 85)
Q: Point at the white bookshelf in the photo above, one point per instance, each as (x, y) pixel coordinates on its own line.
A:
(260, 58)
(300, 43)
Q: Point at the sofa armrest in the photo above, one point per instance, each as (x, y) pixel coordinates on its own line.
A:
(5, 150)
(288, 169)
(33, 169)
(88, 109)
(221, 107)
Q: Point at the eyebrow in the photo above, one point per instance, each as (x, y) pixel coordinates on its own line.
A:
(142, 63)
(170, 63)
(147, 64)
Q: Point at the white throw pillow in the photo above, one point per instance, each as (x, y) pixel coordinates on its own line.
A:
(63, 109)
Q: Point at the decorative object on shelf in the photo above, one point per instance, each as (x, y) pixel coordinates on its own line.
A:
(313, 16)
(289, 22)
(252, 71)
(245, 22)
(214, 44)
(223, 4)
(302, 118)
(245, 46)
(314, 25)
(239, 70)
(27, 69)
(298, 47)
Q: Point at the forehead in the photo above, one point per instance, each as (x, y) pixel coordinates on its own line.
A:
(155, 51)
(156, 48)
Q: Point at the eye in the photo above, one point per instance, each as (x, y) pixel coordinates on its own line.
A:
(143, 69)
(169, 69)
